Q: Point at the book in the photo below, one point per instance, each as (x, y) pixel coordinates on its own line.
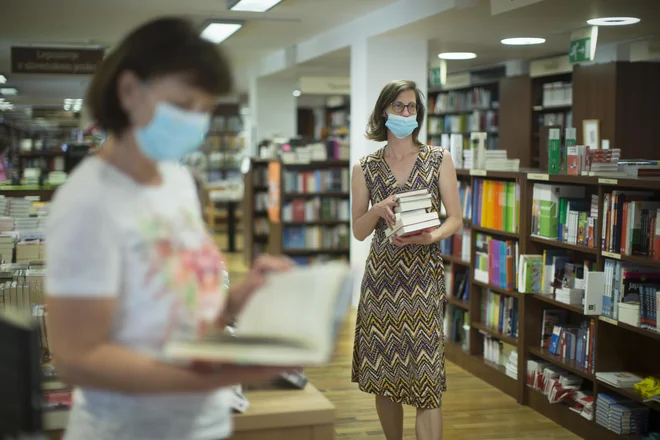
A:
(294, 319)
(411, 214)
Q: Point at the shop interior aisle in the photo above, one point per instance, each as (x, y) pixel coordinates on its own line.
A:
(473, 410)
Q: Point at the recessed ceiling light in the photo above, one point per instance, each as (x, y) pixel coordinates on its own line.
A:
(613, 21)
(3, 79)
(522, 41)
(297, 93)
(10, 91)
(219, 32)
(457, 56)
(251, 5)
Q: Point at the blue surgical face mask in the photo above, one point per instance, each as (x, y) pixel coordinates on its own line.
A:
(401, 126)
(172, 133)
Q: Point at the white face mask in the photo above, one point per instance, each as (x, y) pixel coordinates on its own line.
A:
(401, 126)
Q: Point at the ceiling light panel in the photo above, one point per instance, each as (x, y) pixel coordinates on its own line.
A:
(3, 79)
(522, 41)
(613, 21)
(457, 56)
(8, 91)
(251, 5)
(219, 32)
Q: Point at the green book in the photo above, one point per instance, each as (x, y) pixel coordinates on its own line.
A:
(554, 151)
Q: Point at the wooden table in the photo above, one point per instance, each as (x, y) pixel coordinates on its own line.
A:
(276, 414)
(286, 415)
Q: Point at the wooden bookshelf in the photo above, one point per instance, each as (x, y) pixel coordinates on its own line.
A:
(332, 222)
(255, 215)
(617, 346)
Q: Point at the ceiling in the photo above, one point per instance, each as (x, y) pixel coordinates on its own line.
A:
(471, 27)
(103, 23)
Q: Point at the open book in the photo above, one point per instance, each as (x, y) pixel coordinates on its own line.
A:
(294, 319)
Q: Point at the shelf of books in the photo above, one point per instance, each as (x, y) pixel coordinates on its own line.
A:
(255, 207)
(557, 301)
(313, 221)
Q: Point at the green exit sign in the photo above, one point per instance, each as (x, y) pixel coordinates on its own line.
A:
(583, 45)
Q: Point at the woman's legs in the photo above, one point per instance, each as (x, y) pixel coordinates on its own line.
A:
(391, 418)
(428, 425)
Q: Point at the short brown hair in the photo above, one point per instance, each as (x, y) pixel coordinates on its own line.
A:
(158, 48)
(376, 130)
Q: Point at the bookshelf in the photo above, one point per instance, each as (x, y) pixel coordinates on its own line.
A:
(255, 213)
(471, 328)
(314, 211)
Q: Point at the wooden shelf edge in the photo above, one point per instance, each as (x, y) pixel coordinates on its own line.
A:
(511, 340)
(458, 303)
(630, 328)
(497, 289)
(551, 300)
(454, 260)
(477, 228)
(567, 365)
(561, 244)
(630, 393)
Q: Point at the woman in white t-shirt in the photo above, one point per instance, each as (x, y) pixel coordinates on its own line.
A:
(130, 263)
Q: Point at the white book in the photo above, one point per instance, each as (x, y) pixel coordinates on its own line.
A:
(293, 319)
(412, 206)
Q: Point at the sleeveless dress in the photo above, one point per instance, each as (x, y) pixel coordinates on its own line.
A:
(398, 350)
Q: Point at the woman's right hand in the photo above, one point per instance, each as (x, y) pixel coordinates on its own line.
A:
(385, 209)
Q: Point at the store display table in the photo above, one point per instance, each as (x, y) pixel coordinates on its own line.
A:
(286, 415)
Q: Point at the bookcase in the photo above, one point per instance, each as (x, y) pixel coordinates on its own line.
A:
(314, 211)
(613, 345)
(255, 214)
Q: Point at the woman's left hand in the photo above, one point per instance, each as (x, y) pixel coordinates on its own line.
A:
(425, 238)
(240, 294)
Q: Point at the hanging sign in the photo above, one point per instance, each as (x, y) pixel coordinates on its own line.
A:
(61, 61)
(583, 45)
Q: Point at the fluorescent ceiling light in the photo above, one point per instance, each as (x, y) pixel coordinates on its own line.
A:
(613, 21)
(251, 5)
(9, 91)
(219, 32)
(3, 79)
(457, 56)
(522, 41)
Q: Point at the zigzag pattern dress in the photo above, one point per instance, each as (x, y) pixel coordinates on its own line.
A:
(399, 343)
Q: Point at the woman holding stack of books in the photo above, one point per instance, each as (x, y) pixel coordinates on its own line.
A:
(396, 192)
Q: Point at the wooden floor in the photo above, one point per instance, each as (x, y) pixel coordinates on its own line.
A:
(473, 410)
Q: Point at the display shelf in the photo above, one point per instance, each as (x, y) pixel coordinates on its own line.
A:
(458, 303)
(454, 260)
(645, 261)
(477, 228)
(498, 289)
(494, 333)
(561, 244)
(567, 364)
(293, 195)
(630, 393)
(256, 190)
(552, 301)
(631, 328)
(316, 222)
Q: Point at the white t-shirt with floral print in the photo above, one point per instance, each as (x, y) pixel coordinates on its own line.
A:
(147, 247)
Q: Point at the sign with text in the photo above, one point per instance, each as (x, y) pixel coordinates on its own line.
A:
(319, 85)
(48, 60)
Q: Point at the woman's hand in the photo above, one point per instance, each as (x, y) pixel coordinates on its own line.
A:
(256, 277)
(385, 209)
(425, 238)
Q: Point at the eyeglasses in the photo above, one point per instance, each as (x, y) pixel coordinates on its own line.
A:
(399, 106)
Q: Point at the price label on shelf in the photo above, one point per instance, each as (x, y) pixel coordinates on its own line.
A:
(608, 181)
(609, 320)
(611, 255)
(538, 176)
(478, 173)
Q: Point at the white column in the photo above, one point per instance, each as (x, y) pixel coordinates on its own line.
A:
(273, 108)
(374, 63)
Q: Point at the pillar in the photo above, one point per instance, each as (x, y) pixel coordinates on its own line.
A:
(374, 63)
(273, 109)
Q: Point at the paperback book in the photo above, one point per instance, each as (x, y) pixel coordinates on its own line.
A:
(411, 214)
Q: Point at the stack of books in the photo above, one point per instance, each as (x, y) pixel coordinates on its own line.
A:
(620, 415)
(411, 214)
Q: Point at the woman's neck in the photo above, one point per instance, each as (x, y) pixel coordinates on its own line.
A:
(124, 154)
(400, 148)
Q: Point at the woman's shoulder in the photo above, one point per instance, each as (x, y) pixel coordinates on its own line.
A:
(373, 157)
(433, 152)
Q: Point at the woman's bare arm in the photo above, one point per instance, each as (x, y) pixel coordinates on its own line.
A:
(79, 331)
(365, 219)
